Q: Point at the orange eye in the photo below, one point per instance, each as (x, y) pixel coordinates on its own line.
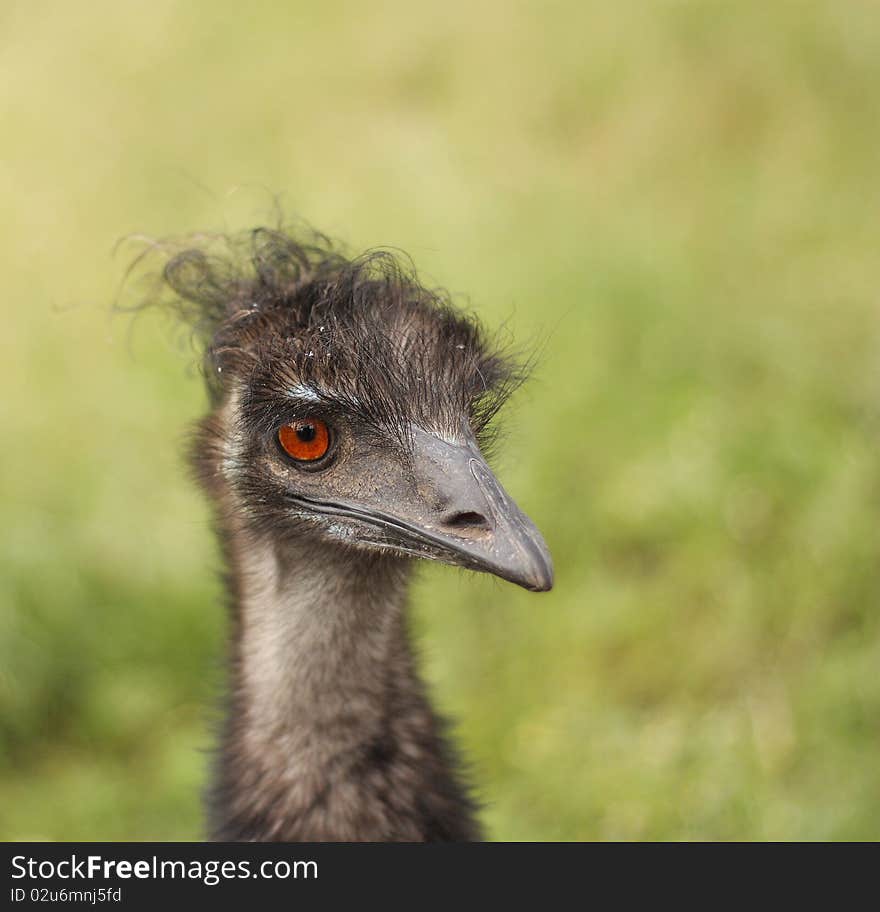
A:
(305, 440)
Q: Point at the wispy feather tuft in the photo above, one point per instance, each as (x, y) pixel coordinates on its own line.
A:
(274, 311)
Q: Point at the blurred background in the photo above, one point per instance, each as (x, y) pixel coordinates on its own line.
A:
(677, 201)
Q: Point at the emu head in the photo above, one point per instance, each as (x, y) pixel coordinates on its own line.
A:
(351, 404)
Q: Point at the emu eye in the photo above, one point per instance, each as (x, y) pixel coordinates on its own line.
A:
(306, 440)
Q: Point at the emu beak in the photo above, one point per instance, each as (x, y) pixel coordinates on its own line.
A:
(447, 506)
(464, 516)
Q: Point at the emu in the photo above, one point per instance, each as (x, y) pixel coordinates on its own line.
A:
(349, 410)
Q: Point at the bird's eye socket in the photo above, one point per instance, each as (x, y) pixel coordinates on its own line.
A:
(306, 440)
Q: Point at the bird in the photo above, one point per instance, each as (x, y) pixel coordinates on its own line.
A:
(351, 411)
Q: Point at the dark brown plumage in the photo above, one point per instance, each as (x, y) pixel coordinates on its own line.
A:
(329, 734)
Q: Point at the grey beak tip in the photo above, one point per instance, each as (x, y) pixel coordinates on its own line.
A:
(542, 581)
(535, 573)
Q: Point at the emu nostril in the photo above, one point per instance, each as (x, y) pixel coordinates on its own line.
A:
(467, 520)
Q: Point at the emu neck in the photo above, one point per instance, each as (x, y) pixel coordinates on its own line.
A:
(321, 636)
(329, 735)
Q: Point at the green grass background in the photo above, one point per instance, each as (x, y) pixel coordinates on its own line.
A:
(679, 200)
